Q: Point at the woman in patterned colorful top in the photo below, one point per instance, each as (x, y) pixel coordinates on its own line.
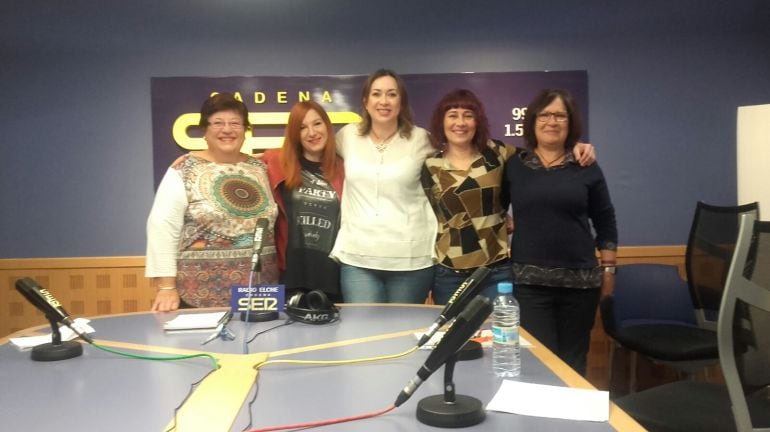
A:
(306, 176)
(201, 226)
(464, 182)
(563, 215)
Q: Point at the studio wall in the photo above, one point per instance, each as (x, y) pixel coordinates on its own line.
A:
(665, 80)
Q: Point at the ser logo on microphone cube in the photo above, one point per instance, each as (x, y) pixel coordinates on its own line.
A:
(260, 298)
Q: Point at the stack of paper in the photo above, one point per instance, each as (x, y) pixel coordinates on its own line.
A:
(194, 322)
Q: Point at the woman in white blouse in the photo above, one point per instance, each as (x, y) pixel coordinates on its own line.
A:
(388, 230)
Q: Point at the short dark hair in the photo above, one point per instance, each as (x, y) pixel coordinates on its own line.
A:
(542, 100)
(405, 122)
(223, 102)
(459, 98)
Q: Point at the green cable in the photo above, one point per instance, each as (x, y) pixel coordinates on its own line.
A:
(141, 357)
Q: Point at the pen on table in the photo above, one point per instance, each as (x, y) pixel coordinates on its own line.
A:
(220, 326)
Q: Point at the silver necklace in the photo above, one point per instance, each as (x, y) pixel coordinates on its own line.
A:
(382, 144)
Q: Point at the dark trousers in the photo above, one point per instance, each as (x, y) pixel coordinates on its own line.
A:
(560, 318)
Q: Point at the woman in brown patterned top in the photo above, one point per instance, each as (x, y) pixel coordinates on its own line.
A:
(464, 182)
(201, 226)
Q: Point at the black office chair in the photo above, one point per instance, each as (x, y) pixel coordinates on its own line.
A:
(710, 247)
(651, 314)
(743, 404)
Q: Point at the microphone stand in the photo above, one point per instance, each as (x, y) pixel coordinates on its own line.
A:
(56, 349)
(450, 410)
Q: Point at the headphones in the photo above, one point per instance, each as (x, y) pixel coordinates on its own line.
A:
(311, 307)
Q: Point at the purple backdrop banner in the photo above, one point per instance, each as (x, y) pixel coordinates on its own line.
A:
(176, 103)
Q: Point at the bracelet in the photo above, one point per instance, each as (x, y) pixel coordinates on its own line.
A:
(166, 288)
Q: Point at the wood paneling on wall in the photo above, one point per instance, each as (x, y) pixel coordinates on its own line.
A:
(84, 286)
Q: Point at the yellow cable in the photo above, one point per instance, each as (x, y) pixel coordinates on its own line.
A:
(336, 362)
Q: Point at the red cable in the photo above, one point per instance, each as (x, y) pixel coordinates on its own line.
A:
(324, 422)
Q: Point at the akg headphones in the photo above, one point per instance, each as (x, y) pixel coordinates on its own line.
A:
(311, 308)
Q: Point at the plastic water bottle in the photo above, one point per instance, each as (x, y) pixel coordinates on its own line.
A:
(506, 358)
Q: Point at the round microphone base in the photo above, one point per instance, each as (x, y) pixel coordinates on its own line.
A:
(463, 412)
(51, 352)
(259, 316)
(472, 350)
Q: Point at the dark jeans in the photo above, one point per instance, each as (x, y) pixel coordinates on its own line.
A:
(560, 318)
(446, 281)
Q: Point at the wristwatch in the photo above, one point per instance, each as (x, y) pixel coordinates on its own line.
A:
(610, 269)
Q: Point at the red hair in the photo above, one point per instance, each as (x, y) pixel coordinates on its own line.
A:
(292, 145)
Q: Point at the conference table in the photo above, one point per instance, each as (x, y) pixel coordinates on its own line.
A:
(104, 391)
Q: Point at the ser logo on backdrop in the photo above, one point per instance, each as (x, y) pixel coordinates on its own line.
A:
(176, 103)
(187, 122)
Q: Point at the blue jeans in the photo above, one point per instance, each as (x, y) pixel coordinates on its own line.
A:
(362, 285)
(446, 281)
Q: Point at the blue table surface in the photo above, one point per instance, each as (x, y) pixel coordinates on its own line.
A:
(104, 391)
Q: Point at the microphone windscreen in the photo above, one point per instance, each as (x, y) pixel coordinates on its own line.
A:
(41, 299)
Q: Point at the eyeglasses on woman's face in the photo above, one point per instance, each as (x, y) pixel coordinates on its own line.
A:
(219, 124)
(545, 116)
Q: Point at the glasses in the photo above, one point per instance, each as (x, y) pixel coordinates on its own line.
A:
(560, 117)
(218, 125)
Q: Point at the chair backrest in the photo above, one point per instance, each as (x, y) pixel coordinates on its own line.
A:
(710, 249)
(744, 328)
(648, 294)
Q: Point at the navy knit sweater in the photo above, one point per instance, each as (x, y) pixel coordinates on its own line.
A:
(551, 213)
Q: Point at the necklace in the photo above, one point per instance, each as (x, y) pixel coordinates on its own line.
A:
(549, 163)
(381, 144)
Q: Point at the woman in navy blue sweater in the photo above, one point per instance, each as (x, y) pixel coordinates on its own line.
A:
(562, 214)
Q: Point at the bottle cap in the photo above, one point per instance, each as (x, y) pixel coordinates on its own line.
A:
(504, 287)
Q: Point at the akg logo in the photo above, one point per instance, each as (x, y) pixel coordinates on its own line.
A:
(316, 317)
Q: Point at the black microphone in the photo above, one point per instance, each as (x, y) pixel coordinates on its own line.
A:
(464, 293)
(44, 301)
(259, 237)
(466, 324)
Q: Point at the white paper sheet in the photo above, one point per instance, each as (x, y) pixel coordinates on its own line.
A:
(66, 334)
(551, 401)
(194, 321)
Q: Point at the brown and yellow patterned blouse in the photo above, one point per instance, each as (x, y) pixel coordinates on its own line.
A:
(470, 206)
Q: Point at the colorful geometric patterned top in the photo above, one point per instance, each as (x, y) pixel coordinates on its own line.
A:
(224, 202)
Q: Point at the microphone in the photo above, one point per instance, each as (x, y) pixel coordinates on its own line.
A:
(45, 302)
(259, 236)
(469, 320)
(464, 293)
